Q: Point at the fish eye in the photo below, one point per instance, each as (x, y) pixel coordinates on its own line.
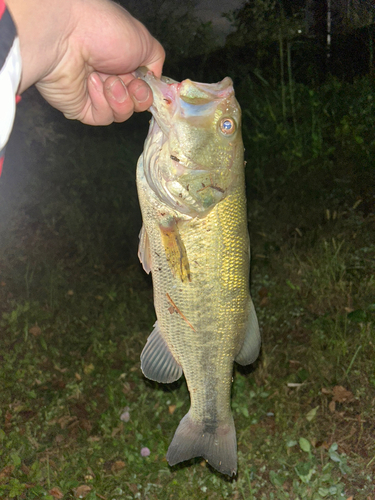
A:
(227, 126)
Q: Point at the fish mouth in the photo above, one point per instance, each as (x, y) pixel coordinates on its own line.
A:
(164, 89)
(188, 97)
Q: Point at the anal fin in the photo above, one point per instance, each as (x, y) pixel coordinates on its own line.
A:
(157, 361)
(251, 346)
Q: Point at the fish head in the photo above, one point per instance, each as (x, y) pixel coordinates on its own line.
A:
(194, 149)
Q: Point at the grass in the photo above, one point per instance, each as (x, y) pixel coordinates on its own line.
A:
(76, 414)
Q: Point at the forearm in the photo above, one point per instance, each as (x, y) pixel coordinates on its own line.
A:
(43, 27)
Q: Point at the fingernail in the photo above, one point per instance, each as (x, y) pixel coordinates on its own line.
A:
(118, 90)
(142, 93)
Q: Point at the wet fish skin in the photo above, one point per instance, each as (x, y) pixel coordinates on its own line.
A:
(194, 240)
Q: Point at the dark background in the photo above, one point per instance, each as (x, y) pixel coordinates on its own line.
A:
(307, 121)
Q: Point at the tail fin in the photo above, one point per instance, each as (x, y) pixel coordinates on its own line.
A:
(216, 443)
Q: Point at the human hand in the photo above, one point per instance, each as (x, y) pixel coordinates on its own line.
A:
(81, 55)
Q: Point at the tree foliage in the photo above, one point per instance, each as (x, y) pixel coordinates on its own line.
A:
(263, 20)
(176, 25)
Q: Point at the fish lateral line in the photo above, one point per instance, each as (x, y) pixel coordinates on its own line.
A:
(180, 313)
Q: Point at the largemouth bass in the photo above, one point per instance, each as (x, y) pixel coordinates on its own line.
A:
(195, 242)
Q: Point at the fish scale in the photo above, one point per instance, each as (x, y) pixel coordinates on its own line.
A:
(195, 242)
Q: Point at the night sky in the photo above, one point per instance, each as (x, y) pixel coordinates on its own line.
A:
(211, 10)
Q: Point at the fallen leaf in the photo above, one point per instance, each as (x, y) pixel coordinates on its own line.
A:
(325, 445)
(18, 408)
(264, 302)
(35, 331)
(8, 418)
(6, 472)
(56, 492)
(27, 414)
(47, 459)
(85, 424)
(326, 391)
(118, 465)
(70, 292)
(78, 377)
(66, 420)
(295, 363)
(27, 486)
(341, 395)
(133, 488)
(312, 414)
(82, 491)
(94, 439)
(171, 409)
(332, 406)
(61, 370)
(118, 429)
(128, 387)
(88, 369)
(58, 384)
(25, 469)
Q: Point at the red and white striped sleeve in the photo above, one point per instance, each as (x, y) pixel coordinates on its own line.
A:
(10, 74)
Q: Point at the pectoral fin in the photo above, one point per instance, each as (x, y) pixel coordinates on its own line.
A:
(144, 252)
(157, 361)
(251, 346)
(175, 251)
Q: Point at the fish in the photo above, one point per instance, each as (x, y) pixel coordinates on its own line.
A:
(194, 240)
